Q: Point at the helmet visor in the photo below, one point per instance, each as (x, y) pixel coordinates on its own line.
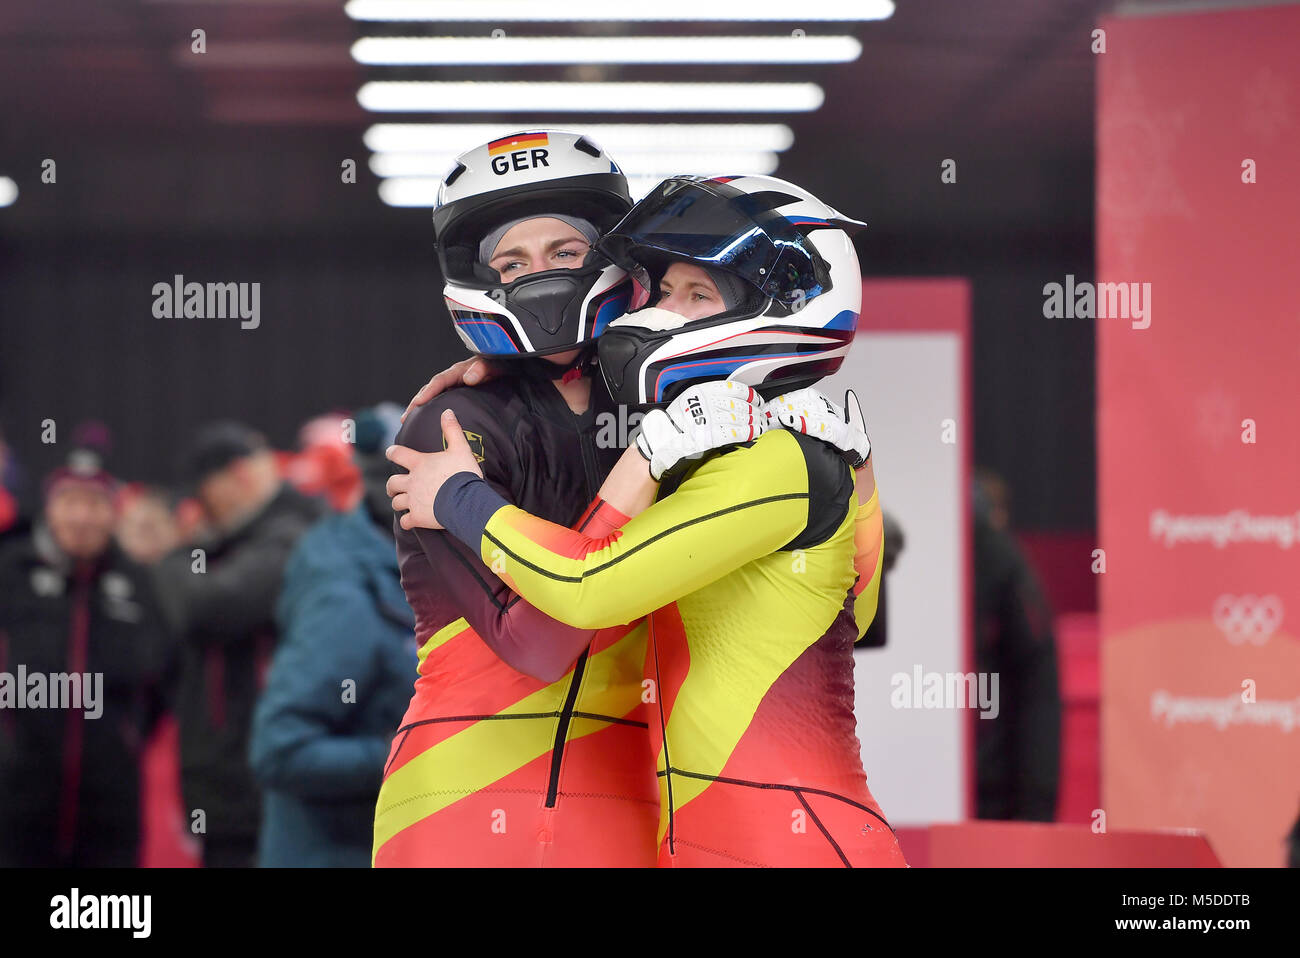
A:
(717, 225)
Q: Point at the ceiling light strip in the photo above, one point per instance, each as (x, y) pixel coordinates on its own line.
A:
(383, 96)
(618, 138)
(574, 11)
(527, 51)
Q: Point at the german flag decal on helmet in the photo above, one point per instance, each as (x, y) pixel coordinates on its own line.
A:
(517, 141)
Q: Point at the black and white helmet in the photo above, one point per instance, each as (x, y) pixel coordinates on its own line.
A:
(788, 253)
(529, 173)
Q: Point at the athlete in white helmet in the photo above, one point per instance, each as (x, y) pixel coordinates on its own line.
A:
(499, 761)
(756, 566)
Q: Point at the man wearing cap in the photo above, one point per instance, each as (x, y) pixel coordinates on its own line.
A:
(82, 655)
(219, 596)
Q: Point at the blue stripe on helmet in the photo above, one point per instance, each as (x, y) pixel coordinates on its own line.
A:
(845, 319)
(615, 305)
(488, 336)
(716, 369)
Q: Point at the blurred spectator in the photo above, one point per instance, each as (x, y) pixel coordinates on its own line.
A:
(75, 605)
(1017, 754)
(1293, 846)
(323, 465)
(8, 500)
(219, 596)
(341, 678)
(146, 526)
(191, 521)
(876, 636)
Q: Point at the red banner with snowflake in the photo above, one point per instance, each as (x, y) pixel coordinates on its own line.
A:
(1198, 202)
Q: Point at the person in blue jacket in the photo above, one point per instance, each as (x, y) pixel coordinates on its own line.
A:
(340, 680)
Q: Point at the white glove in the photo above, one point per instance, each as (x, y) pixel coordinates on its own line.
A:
(809, 412)
(704, 417)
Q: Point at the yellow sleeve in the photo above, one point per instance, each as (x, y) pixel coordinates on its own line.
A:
(734, 508)
(869, 547)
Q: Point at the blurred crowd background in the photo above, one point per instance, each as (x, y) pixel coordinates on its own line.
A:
(252, 634)
(258, 652)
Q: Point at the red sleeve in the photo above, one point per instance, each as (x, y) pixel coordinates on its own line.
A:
(520, 635)
(600, 520)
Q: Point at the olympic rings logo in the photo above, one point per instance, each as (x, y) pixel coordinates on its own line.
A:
(1247, 617)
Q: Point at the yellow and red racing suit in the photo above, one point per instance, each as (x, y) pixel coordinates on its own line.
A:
(500, 760)
(756, 572)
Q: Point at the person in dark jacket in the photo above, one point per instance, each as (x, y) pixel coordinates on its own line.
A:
(341, 677)
(82, 653)
(1017, 754)
(876, 636)
(9, 512)
(219, 596)
(1293, 846)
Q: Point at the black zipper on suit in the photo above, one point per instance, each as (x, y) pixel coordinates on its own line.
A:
(586, 439)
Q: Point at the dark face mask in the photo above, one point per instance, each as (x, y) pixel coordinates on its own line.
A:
(622, 353)
(547, 299)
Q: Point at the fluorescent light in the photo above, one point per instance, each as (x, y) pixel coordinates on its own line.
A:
(423, 190)
(409, 191)
(618, 138)
(408, 96)
(464, 51)
(573, 11)
(8, 191)
(437, 164)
